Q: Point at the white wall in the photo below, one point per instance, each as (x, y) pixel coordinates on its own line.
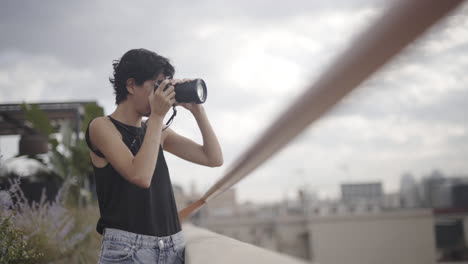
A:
(401, 237)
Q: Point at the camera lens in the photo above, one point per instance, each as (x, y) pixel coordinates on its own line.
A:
(187, 92)
(200, 91)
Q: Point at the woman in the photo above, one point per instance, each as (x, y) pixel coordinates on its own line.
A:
(138, 214)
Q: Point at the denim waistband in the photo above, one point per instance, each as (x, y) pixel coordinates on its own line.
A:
(176, 240)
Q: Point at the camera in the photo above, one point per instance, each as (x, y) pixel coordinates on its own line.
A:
(193, 91)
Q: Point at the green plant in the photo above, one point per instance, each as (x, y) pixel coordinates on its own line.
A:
(69, 157)
(14, 248)
(45, 227)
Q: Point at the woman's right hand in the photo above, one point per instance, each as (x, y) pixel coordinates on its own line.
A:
(161, 101)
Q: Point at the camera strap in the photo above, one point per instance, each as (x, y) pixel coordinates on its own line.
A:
(174, 113)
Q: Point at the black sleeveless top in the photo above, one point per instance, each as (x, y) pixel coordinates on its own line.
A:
(126, 206)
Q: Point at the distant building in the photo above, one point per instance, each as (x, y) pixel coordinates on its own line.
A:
(444, 192)
(460, 195)
(179, 196)
(409, 192)
(436, 192)
(224, 205)
(392, 200)
(362, 193)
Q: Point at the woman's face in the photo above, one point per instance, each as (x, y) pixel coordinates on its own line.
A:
(143, 92)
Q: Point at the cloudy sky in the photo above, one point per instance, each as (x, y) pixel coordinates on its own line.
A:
(256, 57)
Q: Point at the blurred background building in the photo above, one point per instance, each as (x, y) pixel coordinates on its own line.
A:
(426, 221)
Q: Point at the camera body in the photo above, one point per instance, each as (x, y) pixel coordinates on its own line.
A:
(193, 91)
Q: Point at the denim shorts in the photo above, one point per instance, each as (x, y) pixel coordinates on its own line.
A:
(119, 246)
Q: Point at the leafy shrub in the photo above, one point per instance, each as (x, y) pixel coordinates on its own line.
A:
(47, 227)
(13, 247)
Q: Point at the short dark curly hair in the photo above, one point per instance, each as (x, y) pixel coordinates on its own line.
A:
(141, 65)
